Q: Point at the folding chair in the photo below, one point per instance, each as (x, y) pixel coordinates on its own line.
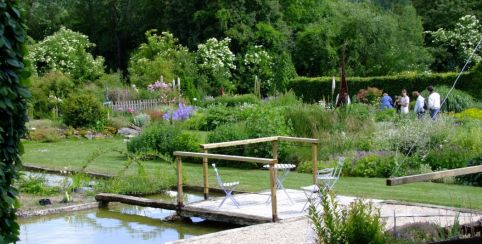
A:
(227, 187)
(325, 181)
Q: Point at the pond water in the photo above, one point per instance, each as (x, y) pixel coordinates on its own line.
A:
(118, 223)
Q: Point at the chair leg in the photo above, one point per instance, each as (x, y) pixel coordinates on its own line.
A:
(229, 195)
(222, 202)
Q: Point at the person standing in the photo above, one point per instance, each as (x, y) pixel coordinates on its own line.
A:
(433, 102)
(419, 104)
(404, 102)
(386, 102)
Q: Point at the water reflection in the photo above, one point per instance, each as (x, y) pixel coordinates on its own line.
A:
(117, 224)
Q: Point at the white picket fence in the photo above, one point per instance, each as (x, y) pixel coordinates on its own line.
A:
(136, 105)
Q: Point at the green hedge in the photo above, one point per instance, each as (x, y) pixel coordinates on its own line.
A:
(314, 89)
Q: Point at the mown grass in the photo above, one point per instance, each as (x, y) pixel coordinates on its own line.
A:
(73, 153)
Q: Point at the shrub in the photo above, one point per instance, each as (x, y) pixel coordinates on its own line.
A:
(45, 135)
(141, 120)
(163, 139)
(155, 114)
(472, 179)
(83, 111)
(471, 113)
(219, 115)
(457, 101)
(232, 101)
(48, 92)
(286, 99)
(230, 132)
(371, 166)
(216, 61)
(139, 184)
(386, 115)
(162, 56)
(448, 157)
(118, 122)
(197, 122)
(314, 89)
(371, 95)
(67, 51)
(120, 94)
(35, 185)
(360, 222)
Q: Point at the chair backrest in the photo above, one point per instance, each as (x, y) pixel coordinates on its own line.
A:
(218, 177)
(338, 168)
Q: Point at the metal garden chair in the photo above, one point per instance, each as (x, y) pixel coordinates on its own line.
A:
(325, 181)
(227, 187)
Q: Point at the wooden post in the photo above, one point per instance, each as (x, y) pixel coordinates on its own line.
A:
(272, 173)
(205, 174)
(314, 158)
(274, 207)
(179, 183)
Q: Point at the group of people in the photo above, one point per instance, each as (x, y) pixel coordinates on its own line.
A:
(402, 103)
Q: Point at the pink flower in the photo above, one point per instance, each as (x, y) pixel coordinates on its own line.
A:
(131, 110)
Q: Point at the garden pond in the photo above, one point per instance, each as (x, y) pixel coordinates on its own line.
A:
(118, 223)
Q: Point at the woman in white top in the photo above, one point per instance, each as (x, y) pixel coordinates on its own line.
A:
(404, 102)
(419, 104)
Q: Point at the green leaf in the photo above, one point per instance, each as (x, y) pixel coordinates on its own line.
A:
(15, 63)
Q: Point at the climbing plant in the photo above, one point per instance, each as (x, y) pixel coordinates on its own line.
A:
(13, 116)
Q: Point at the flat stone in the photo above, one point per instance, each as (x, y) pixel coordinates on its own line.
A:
(128, 132)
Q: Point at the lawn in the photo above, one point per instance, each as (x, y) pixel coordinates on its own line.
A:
(73, 153)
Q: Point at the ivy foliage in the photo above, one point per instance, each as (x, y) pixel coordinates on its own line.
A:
(13, 113)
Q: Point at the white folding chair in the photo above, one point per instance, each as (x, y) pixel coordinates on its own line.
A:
(325, 181)
(227, 187)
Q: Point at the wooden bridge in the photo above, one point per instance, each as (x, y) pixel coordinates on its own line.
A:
(256, 207)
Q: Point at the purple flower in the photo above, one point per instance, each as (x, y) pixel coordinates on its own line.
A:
(182, 113)
(157, 86)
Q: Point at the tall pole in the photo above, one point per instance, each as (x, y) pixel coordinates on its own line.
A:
(342, 96)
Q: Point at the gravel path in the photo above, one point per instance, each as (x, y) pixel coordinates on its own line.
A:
(295, 230)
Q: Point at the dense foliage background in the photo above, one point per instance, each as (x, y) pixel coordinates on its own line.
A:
(381, 37)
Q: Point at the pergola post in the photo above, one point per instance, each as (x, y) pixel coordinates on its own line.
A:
(314, 158)
(205, 174)
(179, 183)
(272, 173)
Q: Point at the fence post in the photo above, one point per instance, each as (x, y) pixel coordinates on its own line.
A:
(179, 183)
(272, 173)
(314, 158)
(205, 174)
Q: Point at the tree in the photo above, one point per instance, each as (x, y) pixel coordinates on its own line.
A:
(376, 41)
(13, 111)
(459, 41)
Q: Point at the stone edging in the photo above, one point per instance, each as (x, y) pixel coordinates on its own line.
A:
(42, 212)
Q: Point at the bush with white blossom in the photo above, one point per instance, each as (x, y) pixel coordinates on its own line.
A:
(258, 63)
(463, 37)
(66, 51)
(216, 61)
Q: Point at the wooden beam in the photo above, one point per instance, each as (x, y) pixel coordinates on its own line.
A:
(434, 175)
(223, 216)
(224, 157)
(274, 201)
(238, 143)
(179, 183)
(138, 201)
(298, 139)
(205, 175)
(314, 160)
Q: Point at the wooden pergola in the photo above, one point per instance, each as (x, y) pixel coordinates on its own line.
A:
(205, 155)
